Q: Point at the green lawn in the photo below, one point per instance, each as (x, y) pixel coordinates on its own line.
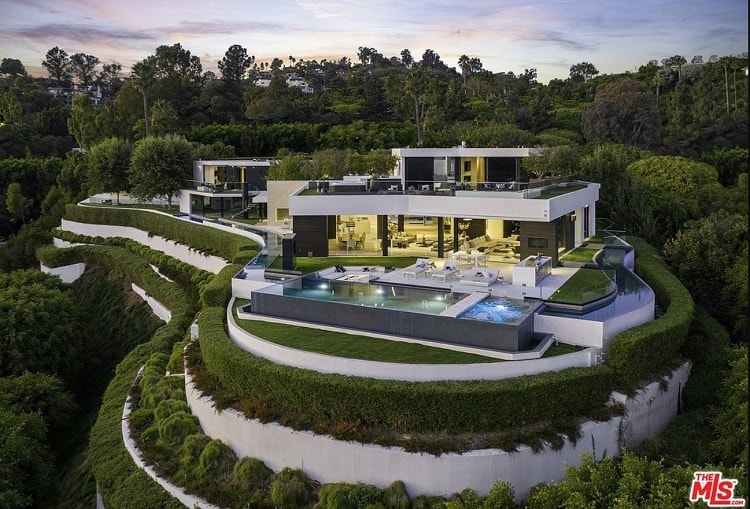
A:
(560, 349)
(581, 254)
(353, 346)
(586, 285)
(551, 192)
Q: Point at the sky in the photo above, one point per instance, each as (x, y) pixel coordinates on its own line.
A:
(506, 35)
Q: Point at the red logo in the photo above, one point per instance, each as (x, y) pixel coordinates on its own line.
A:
(713, 490)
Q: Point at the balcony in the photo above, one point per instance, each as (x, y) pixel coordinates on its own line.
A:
(542, 200)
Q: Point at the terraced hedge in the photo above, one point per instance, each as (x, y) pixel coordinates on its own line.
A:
(311, 400)
(121, 483)
(206, 240)
(640, 354)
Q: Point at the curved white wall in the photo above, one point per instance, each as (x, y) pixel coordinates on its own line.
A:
(182, 252)
(328, 460)
(398, 371)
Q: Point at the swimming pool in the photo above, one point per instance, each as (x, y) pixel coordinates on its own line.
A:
(395, 309)
(357, 293)
(497, 310)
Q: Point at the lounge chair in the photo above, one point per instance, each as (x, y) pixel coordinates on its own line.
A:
(449, 270)
(480, 277)
(418, 269)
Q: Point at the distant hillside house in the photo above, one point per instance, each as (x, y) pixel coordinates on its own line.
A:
(67, 94)
(292, 80)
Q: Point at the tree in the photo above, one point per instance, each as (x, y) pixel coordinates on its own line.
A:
(27, 477)
(673, 189)
(16, 203)
(704, 255)
(38, 393)
(623, 112)
(606, 163)
(11, 109)
(235, 62)
(159, 166)
(143, 75)
(57, 64)
(12, 67)
(110, 75)
(163, 118)
(558, 160)
(730, 163)
(730, 420)
(406, 58)
(673, 62)
(583, 71)
(82, 66)
(108, 163)
(39, 324)
(82, 122)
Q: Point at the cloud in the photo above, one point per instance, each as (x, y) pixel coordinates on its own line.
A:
(78, 33)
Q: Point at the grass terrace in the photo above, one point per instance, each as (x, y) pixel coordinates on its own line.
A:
(353, 346)
(551, 192)
(581, 255)
(586, 285)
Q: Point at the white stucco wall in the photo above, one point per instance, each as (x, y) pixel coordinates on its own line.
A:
(157, 307)
(328, 460)
(182, 252)
(67, 273)
(396, 371)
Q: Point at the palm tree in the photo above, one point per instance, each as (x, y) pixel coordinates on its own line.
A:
(143, 75)
(464, 62)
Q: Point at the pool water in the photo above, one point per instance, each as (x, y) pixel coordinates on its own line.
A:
(497, 310)
(417, 300)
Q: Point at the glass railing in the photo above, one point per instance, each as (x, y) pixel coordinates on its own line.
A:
(434, 187)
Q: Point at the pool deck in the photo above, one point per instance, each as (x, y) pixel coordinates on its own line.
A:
(503, 287)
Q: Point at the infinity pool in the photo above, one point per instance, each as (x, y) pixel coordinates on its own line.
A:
(405, 298)
(395, 309)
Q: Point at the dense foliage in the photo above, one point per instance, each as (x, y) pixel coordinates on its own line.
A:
(668, 143)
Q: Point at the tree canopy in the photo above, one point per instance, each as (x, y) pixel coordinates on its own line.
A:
(159, 167)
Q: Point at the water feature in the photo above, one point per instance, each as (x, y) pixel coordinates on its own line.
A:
(498, 310)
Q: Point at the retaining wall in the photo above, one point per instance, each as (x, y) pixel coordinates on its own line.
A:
(328, 460)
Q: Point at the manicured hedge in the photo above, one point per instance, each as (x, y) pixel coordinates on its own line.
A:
(218, 292)
(639, 354)
(172, 268)
(207, 240)
(311, 400)
(121, 483)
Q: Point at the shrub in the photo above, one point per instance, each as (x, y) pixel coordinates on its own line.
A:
(250, 474)
(174, 429)
(190, 452)
(290, 489)
(218, 292)
(395, 496)
(334, 496)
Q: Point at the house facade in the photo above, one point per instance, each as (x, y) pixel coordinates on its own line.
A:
(224, 186)
(463, 192)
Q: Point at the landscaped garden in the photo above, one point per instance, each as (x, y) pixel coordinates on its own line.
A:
(586, 285)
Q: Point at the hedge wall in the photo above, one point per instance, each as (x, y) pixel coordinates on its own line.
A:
(310, 400)
(639, 354)
(121, 483)
(207, 240)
